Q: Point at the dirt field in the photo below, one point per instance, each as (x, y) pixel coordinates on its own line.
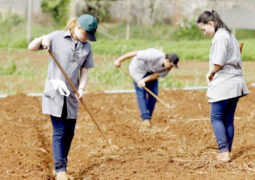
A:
(181, 144)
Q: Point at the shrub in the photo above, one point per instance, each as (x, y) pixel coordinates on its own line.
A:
(97, 8)
(57, 8)
(189, 31)
(9, 22)
(10, 69)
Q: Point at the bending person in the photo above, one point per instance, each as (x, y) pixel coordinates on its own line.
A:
(146, 67)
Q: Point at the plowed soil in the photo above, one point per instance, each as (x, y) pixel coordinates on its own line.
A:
(180, 144)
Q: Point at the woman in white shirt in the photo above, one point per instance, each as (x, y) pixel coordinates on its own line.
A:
(225, 82)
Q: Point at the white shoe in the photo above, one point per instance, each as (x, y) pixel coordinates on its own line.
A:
(54, 174)
(146, 126)
(61, 176)
(147, 123)
(223, 157)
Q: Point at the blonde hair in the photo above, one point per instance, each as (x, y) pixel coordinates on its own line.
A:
(70, 25)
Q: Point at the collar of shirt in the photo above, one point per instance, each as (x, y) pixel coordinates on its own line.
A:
(162, 61)
(68, 34)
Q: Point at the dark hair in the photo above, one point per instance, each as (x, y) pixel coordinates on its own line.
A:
(172, 57)
(213, 16)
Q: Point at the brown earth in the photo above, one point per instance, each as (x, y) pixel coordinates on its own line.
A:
(180, 145)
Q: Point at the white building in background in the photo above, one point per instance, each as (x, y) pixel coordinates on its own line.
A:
(236, 13)
(150, 11)
(20, 7)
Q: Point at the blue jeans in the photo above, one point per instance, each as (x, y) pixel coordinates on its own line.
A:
(222, 119)
(146, 102)
(63, 132)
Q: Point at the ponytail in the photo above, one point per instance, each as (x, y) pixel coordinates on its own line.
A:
(213, 16)
(219, 23)
(70, 25)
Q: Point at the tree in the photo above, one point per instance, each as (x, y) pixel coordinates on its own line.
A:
(57, 8)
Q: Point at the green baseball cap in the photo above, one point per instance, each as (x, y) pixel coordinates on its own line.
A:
(89, 24)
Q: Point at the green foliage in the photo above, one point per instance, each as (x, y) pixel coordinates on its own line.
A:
(169, 82)
(19, 43)
(57, 8)
(16, 38)
(189, 31)
(22, 77)
(185, 49)
(248, 49)
(11, 26)
(9, 22)
(159, 32)
(245, 34)
(110, 77)
(142, 37)
(9, 69)
(97, 8)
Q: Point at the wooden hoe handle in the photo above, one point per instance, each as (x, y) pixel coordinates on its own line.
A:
(241, 47)
(81, 100)
(149, 91)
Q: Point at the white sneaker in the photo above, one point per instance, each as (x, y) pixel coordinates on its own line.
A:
(223, 157)
(54, 174)
(147, 123)
(61, 176)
